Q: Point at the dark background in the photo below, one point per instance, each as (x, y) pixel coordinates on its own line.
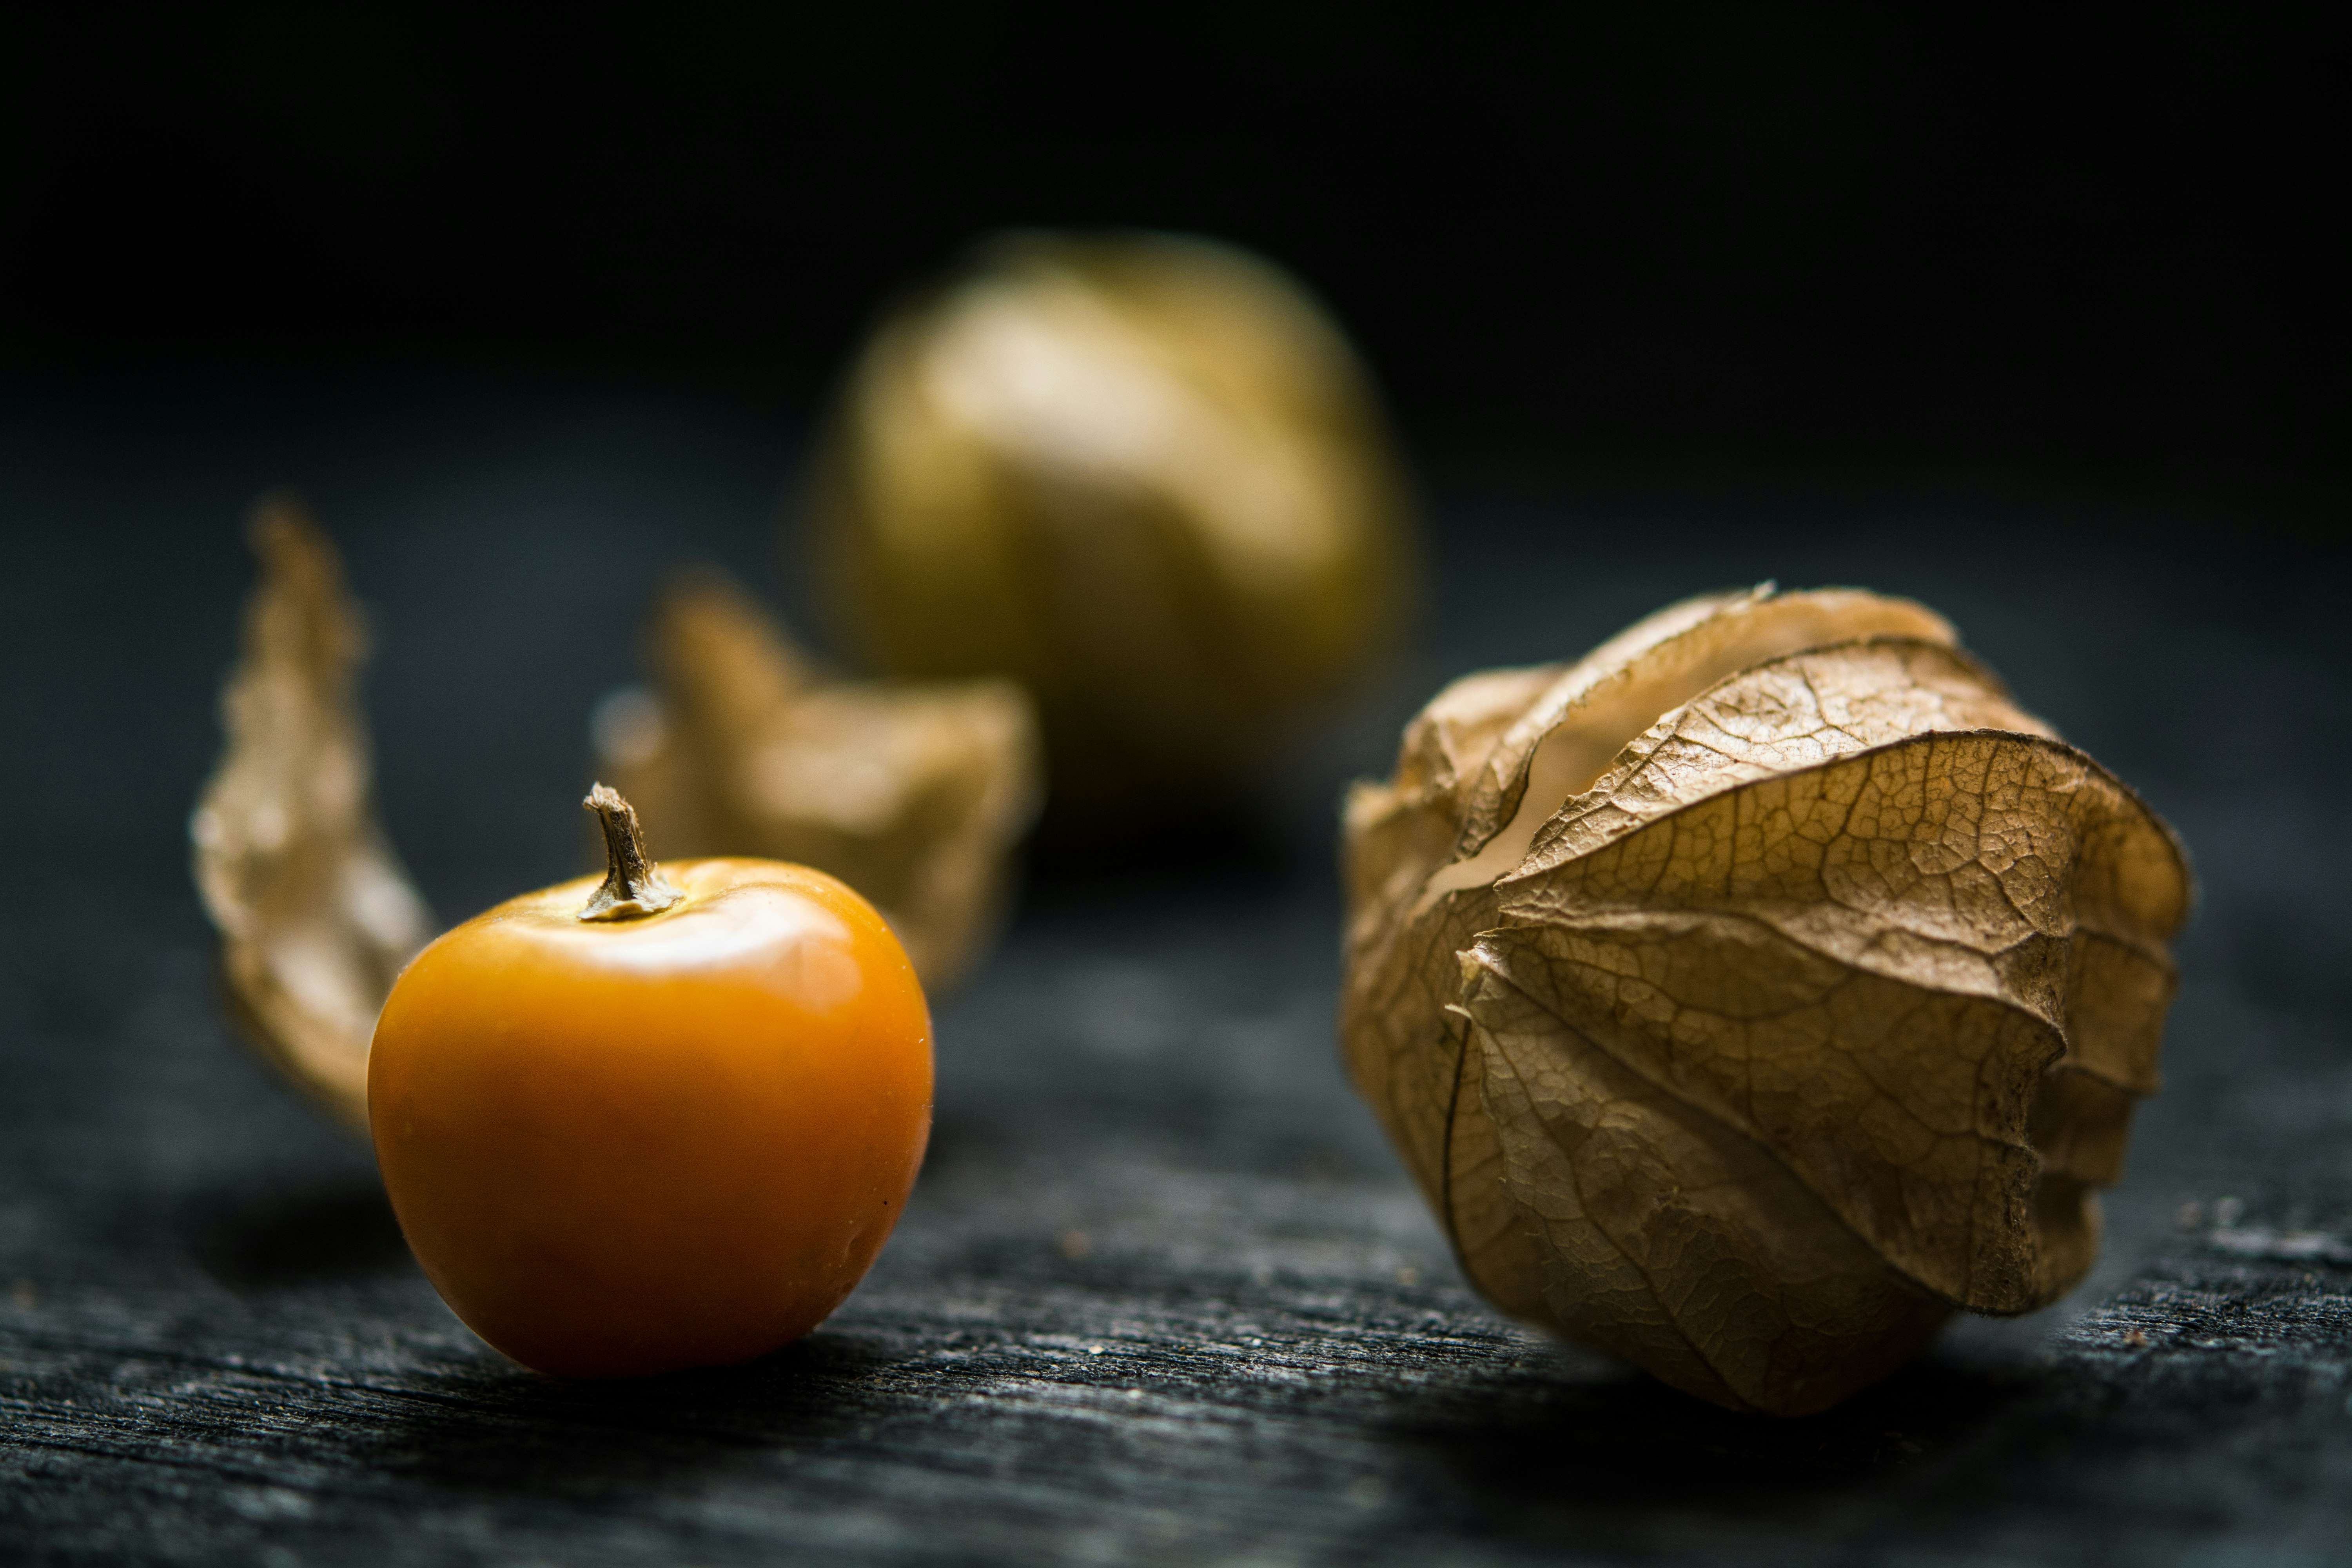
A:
(2035, 323)
(1717, 239)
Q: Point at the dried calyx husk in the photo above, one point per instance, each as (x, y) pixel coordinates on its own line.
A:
(1145, 476)
(915, 794)
(315, 914)
(1752, 992)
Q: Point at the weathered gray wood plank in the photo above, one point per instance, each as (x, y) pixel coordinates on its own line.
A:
(1163, 1294)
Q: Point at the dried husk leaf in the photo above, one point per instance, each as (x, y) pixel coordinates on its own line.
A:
(914, 794)
(1752, 992)
(315, 915)
(1146, 477)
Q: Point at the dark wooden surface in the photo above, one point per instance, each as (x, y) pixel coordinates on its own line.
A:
(1163, 1295)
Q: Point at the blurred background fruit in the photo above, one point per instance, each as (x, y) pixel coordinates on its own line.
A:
(1145, 476)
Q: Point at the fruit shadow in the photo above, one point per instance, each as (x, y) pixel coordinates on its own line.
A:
(509, 1432)
(480, 1425)
(1626, 1445)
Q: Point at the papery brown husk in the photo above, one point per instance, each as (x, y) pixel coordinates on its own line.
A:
(915, 794)
(315, 914)
(1752, 993)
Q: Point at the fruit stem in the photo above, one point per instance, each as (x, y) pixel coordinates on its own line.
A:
(633, 885)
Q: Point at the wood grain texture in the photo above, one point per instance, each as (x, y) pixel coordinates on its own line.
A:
(1162, 1294)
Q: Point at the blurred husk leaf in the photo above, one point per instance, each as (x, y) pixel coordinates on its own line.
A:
(1756, 991)
(914, 797)
(1144, 476)
(314, 913)
(915, 794)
